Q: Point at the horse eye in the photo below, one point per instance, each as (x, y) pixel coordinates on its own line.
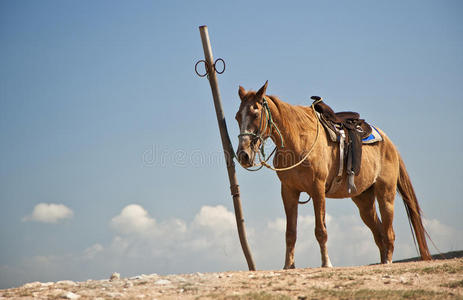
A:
(254, 110)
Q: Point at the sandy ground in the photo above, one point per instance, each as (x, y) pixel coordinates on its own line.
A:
(438, 279)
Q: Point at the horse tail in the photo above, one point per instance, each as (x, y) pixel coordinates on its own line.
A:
(413, 209)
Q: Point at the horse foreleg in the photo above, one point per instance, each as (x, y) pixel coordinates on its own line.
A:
(320, 224)
(290, 202)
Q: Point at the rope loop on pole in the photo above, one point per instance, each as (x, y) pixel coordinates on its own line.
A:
(215, 63)
(205, 67)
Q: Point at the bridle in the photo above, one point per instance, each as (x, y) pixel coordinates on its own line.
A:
(259, 135)
(270, 124)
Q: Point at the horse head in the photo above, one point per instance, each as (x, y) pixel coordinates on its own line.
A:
(252, 117)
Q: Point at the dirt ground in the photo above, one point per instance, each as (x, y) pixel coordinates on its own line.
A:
(438, 279)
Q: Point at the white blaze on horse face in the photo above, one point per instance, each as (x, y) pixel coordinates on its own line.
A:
(245, 120)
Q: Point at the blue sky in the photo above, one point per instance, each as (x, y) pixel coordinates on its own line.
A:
(111, 157)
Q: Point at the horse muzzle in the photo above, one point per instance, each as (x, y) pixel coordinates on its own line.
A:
(246, 158)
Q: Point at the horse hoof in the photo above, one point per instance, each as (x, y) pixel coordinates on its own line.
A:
(327, 263)
(327, 266)
(386, 262)
(290, 267)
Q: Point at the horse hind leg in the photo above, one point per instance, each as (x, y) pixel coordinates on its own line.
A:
(367, 209)
(385, 194)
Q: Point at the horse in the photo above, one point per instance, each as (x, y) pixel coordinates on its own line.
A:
(298, 136)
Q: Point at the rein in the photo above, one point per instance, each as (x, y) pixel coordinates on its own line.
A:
(269, 123)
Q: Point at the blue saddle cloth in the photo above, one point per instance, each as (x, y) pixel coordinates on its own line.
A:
(374, 136)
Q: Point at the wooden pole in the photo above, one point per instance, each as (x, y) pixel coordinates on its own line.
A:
(227, 146)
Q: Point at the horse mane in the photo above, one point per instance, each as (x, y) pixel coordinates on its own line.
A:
(294, 118)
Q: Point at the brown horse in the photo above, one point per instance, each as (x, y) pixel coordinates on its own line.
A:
(382, 172)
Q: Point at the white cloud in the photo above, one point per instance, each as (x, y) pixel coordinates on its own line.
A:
(349, 243)
(49, 213)
(279, 224)
(211, 240)
(445, 237)
(216, 218)
(175, 244)
(92, 251)
(210, 243)
(133, 219)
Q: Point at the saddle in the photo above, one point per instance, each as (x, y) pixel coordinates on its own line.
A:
(348, 130)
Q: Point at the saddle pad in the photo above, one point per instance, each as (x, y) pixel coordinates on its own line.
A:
(373, 137)
(333, 134)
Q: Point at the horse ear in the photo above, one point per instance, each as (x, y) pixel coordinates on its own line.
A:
(261, 92)
(241, 92)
